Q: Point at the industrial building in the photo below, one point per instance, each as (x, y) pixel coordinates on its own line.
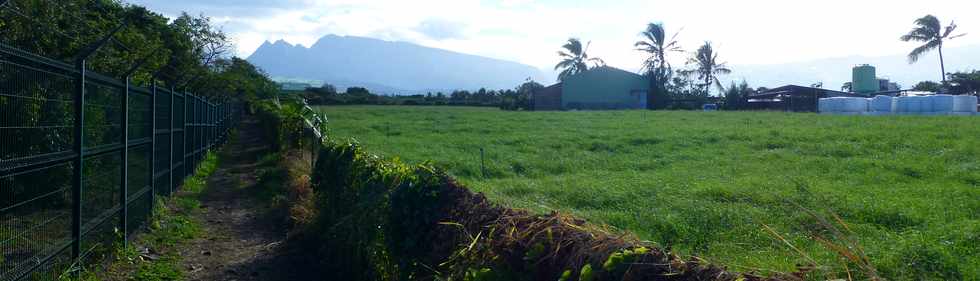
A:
(602, 87)
(865, 80)
(793, 98)
(864, 83)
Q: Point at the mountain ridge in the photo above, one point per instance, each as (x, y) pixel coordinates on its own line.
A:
(394, 67)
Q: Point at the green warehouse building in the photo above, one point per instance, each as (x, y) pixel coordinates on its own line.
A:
(602, 87)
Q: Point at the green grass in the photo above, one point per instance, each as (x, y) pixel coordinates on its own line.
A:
(172, 223)
(705, 183)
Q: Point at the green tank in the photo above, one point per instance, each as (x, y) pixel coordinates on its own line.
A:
(864, 80)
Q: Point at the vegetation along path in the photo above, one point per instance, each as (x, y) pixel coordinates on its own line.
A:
(240, 239)
(217, 227)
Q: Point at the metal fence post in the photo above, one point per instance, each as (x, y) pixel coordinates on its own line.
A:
(199, 112)
(173, 94)
(77, 178)
(207, 135)
(153, 144)
(124, 172)
(183, 134)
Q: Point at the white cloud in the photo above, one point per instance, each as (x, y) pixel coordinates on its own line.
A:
(745, 32)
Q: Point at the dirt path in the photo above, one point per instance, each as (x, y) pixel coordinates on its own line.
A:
(240, 239)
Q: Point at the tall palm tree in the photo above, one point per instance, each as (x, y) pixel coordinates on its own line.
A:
(655, 45)
(929, 30)
(575, 59)
(707, 67)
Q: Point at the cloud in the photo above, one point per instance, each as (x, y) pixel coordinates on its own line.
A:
(531, 31)
(439, 29)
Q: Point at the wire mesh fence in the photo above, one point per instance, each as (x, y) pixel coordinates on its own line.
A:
(82, 157)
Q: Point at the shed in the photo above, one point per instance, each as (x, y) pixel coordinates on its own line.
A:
(793, 98)
(605, 87)
(548, 98)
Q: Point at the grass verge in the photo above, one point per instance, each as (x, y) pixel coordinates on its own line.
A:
(153, 255)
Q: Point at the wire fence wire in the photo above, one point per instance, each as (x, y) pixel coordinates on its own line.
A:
(82, 157)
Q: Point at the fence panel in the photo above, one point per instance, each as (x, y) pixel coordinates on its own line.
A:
(82, 157)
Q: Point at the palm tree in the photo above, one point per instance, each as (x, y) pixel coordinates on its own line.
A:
(655, 45)
(929, 30)
(575, 59)
(707, 67)
(656, 66)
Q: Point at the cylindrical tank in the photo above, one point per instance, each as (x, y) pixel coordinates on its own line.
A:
(864, 79)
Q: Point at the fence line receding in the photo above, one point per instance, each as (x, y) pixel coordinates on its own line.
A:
(82, 157)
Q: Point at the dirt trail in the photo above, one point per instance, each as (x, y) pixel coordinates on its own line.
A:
(240, 239)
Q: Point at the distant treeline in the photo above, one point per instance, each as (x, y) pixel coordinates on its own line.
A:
(510, 99)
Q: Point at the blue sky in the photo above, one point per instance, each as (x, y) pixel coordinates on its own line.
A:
(744, 32)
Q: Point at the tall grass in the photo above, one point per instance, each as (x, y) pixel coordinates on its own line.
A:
(710, 184)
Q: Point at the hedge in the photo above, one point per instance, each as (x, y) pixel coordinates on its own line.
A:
(380, 219)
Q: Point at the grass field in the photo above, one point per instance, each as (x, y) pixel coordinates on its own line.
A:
(705, 184)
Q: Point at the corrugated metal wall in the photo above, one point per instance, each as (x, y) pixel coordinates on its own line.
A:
(605, 88)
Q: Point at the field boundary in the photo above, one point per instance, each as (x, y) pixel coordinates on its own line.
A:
(380, 219)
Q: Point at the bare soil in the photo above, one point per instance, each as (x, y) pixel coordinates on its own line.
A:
(242, 239)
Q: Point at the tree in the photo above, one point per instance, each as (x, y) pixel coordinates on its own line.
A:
(522, 98)
(927, 86)
(929, 30)
(965, 83)
(707, 68)
(736, 96)
(656, 67)
(847, 87)
(575, 59)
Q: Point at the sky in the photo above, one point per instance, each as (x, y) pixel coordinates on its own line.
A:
(744, 32)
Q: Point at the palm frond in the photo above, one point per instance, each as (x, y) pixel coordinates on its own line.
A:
(564, 64)
(949, 29)
(930, 22)
(596, 62)
(718, 85)
(643, 45)
(574, 46)
(918, 52)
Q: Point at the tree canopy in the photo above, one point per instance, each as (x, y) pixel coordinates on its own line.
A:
(187, 53)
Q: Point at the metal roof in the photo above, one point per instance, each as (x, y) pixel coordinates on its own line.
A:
(796, 89)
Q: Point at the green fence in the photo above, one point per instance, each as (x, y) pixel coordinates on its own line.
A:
(82, 157)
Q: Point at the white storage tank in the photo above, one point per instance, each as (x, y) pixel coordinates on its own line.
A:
(902, 105)
(925, 104)
(829, 105)
(965, 104)
(913, 105)
(882, 104)
(854, 105)
(942, 104)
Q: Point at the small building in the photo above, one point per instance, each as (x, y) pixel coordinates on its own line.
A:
(793, 98)
(548, 98)
(602, 87)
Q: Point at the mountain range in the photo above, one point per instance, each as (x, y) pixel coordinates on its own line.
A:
(389, 67)
(404, 68)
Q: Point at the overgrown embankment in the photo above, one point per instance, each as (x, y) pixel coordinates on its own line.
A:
(379, 219)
